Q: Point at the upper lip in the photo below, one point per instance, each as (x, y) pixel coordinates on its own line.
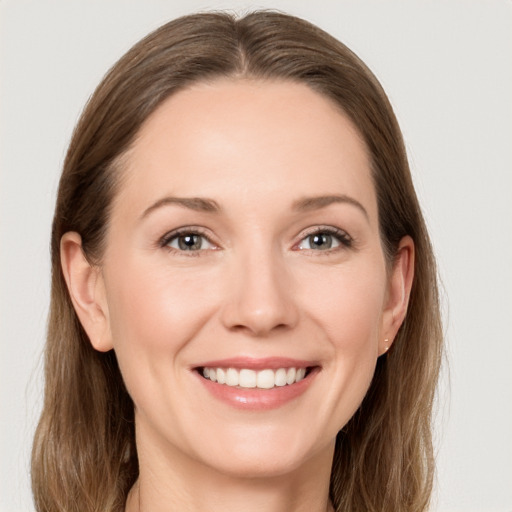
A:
(251, 363)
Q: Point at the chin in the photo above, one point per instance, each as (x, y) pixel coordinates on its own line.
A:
(267, 455)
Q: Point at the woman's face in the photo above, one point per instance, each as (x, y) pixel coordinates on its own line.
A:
(244, 246)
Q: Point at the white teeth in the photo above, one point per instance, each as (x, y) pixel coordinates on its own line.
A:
(290, 375)
(263, 379)
(280, 379)
(232, 377)
(266, 379)
(247, 378)
(221, 376)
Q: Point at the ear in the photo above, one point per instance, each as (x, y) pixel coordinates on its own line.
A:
(399, 290)
(87, 291)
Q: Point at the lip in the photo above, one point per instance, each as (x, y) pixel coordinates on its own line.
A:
(251, 363)
(253, 399)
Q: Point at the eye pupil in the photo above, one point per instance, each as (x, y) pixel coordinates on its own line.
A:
(189, 242)
(320, 241)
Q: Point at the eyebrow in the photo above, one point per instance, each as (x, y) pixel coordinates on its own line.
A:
(198, 204)
(210, 206)
(315, 203)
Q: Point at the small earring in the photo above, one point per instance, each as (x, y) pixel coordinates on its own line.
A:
(386, 348)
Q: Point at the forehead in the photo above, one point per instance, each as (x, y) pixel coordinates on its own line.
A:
(247, 137)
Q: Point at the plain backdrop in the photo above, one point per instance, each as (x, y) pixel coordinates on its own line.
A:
(447, 67)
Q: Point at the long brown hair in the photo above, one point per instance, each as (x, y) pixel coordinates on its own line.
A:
(84, 453)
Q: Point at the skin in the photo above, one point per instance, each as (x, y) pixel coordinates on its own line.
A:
(257, 287)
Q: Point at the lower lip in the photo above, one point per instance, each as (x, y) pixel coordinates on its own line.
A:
(255, 399)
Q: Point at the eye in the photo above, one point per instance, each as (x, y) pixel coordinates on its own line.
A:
(187, 241)
(324, 240)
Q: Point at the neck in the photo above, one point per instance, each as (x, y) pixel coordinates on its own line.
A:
(174, 481)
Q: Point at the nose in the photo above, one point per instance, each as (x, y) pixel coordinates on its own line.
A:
(260, 301)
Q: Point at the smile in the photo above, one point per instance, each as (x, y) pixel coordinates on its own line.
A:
(249, 379)
(257, 384)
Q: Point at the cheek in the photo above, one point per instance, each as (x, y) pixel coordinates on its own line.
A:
(348, 304)
(156, 301)
(153, 315)
(348, 307)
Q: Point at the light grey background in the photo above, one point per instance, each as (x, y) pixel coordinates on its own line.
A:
(446, 66)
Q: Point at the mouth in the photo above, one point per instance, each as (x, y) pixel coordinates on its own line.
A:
(257, 384)
(246, 378)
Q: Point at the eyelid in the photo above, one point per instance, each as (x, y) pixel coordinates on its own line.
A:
(345, 240)
(186, 230)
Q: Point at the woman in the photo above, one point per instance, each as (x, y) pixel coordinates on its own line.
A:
(244, 301)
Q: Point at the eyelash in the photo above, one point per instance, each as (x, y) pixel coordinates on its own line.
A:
(344, 239)
(191, 231)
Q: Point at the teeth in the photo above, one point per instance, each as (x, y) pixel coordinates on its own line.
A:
(231, 377)
(280, 378)
(247, 378)
(266, 379)
(221, 376)
(263, 379)
(290, 375)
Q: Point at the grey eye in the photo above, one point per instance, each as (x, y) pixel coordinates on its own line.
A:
(189, 242)
(319, 242)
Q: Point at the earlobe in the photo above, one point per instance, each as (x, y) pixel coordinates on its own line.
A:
(87, 291)
(397, 300)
